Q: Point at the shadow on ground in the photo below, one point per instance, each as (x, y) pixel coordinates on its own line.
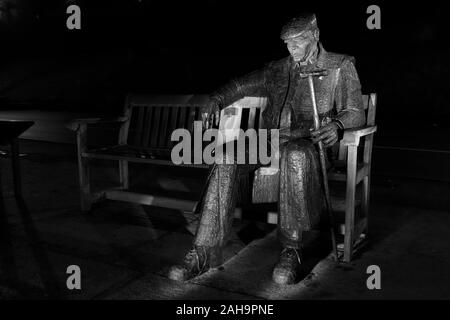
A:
(124, 250)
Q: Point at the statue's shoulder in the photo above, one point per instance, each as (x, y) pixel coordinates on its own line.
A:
(278, 64)
(334, 60)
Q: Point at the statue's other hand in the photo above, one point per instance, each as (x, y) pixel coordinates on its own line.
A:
(210, 114)
(328, 134)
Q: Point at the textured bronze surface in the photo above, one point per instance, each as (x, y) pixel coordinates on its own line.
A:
(296, 26)
(338, 93)
(297, 185)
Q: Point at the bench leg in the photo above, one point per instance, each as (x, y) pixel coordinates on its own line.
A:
(350, 203)
(85, 189)
(83, 169)
(123, 174)
(16, 167)
(366, 199)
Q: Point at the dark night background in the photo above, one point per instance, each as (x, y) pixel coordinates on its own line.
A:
(51, 75)
(193, 47)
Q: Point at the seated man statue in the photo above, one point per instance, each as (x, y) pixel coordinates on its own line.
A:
(289, 109)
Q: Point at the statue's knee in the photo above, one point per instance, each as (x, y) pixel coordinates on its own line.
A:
(298, 150)
(293, 148)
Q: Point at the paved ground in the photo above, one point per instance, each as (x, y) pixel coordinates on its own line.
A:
(124, 250)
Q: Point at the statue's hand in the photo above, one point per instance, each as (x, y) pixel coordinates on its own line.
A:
(210, 114)
(328, 134)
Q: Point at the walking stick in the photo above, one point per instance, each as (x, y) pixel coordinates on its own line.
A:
(310, 75)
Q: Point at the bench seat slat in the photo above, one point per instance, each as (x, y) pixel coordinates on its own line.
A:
(132, 151)
(155, 158)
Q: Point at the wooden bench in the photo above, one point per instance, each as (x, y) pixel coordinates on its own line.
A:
(145, 137)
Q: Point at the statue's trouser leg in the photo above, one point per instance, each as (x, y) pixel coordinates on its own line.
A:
(218, 209)
(300, 201)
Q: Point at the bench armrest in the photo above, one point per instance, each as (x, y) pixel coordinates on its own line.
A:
(74, 124)
(352, 136)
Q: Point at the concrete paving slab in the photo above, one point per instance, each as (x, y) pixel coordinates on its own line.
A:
(40, 273)
(88, 237)
(156, 287)
(39, 195)
(158, 256)
(250, 271)
(125, 249)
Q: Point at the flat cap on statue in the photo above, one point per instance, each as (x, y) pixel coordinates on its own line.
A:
(296, 26)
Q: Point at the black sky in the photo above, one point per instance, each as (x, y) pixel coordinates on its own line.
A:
(195, 46)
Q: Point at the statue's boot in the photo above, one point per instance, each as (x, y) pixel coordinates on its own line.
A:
(288, 266)
(197, 261)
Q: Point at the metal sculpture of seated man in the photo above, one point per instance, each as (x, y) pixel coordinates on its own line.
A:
(289, 109)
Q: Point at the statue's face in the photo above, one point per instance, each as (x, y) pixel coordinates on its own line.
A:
(301, 46)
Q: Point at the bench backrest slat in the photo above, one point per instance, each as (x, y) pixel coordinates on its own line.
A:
(145, 134)
(182, 118)
(162, 138)
(153, 139)
(172, 125)
(138, 124)
(153, 118)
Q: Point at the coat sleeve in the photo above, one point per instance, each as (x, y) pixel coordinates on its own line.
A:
(251, 84)
(349, 104)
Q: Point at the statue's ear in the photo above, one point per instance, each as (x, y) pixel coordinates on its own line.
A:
(316, 34)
